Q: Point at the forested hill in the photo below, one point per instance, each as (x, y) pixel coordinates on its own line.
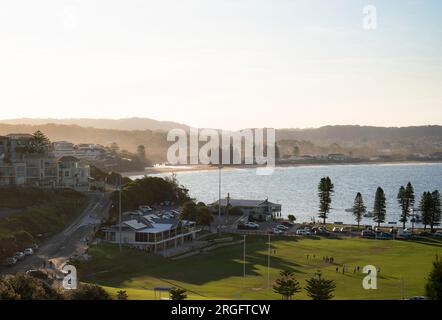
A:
(357, 140)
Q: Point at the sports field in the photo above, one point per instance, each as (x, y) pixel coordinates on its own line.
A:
(218, 274)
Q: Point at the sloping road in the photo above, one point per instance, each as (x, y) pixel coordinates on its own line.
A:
(71, 240)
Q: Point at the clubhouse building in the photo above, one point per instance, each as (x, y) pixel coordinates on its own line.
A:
(151, 232)
(259, 210)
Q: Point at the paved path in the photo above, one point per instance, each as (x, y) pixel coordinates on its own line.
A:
(71, 240)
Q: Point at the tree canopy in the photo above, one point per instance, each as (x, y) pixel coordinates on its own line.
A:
(286, 285)
(319, 288)
(359, 208)
(325, 193)
(380, 206)
(148, 191)
(433, 287)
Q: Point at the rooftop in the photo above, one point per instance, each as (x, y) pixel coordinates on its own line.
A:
(244, 202)
(150, 223)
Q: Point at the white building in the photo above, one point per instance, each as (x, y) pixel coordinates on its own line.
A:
(84, 151)
(151, 232)
(261, 210)
(72, 174)
(22, 166)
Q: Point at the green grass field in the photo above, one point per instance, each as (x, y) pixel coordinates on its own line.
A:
(219, 274)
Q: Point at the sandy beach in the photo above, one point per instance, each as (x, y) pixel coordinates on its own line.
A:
(158, 169)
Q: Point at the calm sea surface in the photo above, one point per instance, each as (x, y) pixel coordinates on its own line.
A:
(296, 187)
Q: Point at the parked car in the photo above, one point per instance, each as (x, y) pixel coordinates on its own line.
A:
(35, 247)
(248, 226)
(405, 233)
(321, 231)
(10, 261)
(384, 235)
(368, 234)
(419, 298)
(425, 234)
(288, 224)
(28, 252)
(438, 234)
(19, 255)
(277, 231)
(252, 225)
(281, 227)
(303, 232)
(337, 229)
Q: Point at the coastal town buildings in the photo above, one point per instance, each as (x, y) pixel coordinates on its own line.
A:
(22, 164)
(84, 151)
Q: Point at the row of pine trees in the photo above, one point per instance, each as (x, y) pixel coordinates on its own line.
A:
(429, 205)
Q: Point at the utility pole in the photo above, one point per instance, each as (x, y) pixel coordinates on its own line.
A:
(268, 265)
(413, 220)
(402, 288)
(219, 193)
(119, 216)
(244, 263)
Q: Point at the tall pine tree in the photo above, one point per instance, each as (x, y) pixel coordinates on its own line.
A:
(319, 288)
(406, 200)
(379, 208)
(425, 206)
(359, 208)
(325, 192)
(435, 208)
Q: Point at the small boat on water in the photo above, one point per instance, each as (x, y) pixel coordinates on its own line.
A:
(369, 214)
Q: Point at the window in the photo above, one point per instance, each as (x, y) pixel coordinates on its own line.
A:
(67, 174)
(20, 171)
(111, 236)
(141, 237)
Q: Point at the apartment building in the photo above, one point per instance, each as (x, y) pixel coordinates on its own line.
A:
(84, 151)
(22, 165)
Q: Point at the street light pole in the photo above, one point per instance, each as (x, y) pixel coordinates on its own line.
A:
(219, 194)
(244, 263)
(268, 265)
(119, 215)
(413, 220)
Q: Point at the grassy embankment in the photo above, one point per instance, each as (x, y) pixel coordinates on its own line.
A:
(218, 274)
(30, 215)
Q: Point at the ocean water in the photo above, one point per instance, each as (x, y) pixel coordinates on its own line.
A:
(295, 188)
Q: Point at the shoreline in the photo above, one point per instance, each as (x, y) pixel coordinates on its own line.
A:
(191, 168)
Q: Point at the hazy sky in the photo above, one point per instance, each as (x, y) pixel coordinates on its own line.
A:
(223, 63)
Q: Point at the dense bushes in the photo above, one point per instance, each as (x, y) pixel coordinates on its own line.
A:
(24, 287)
(43, 214)
(88, 292)
(148, 191)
